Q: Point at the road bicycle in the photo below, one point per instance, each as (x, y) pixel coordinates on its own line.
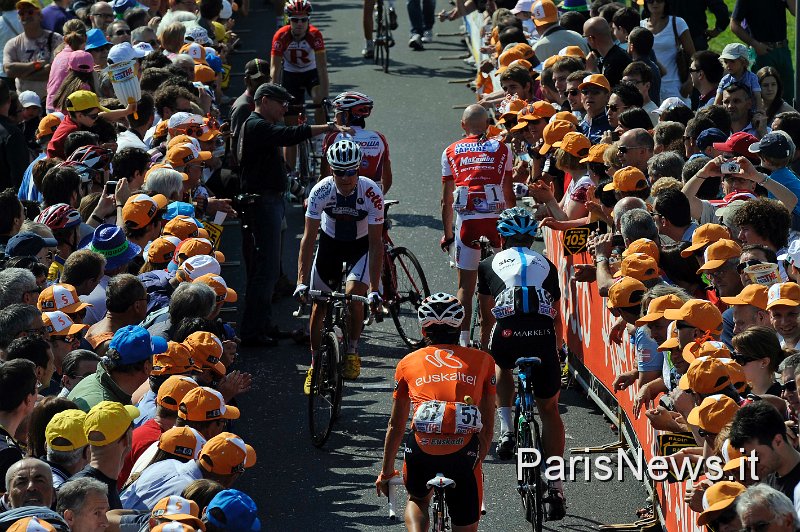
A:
(325, 397)
(531, 485)
(475, 320)
(383, 34)
(404, 286)
(440, 519)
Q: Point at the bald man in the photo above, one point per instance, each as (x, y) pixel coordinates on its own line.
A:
(638, 148)
(611, 59)
(477, 186)
(29, 482)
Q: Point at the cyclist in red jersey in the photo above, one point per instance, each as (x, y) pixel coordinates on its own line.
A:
(299, 63)
(477, 185)
(452, 391)
(351, 109)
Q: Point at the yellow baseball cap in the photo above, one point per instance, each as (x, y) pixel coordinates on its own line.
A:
(108, 421)
(752, 294)
(64, 432)
(83, 100)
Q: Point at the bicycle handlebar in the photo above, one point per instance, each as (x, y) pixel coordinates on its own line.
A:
(320, 294)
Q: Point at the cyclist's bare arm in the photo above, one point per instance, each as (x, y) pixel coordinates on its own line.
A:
(395, 432)
(486, 407)
(367, 21)
(508, 191)
(276, 69)
(375, 235)
(448, 187)
(307, 251)
(386, 176)
(322, 72)
(487, 318)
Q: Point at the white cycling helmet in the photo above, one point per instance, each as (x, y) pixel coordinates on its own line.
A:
(440, 309)
(344, 154)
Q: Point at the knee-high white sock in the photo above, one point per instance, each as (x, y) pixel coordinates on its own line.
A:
(506, 418)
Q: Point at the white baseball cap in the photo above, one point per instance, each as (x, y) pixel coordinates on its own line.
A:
(122, 52)
(29, 99)
(144, 47)
(523, 6)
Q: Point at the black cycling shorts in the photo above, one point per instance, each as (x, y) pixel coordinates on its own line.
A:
(326, 274)
(462, 466)
(298, 83)
(528, 336)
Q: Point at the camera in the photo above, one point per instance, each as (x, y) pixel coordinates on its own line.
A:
(111, 187)
(730, 167)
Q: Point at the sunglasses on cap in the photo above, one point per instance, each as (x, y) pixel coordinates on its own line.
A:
(191, 130)
(345, 173)
(746, 264)
(298, 20)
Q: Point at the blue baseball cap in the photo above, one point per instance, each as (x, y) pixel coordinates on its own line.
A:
(95, 39)
(120, 6)
(110, 242)
(178, 208)
(239, 510)
(134, 344)
(709, 137)
(214, 61)
(28, 243)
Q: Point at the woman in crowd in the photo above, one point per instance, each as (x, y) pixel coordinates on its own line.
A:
(772, 92)
(666, 30)
(759, 352)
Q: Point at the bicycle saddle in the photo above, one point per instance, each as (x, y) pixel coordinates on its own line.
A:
(440, 481)
(390, 202)
(529, 361)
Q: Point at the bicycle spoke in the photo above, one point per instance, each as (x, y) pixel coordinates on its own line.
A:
(412, 288)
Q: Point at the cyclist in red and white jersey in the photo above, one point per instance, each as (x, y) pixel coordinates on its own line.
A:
(477, 185)
(351, 109)
(299, 63)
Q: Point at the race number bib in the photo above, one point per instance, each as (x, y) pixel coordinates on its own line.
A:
(460, 198)
(468, 419)
(429, 417)
(494, 197)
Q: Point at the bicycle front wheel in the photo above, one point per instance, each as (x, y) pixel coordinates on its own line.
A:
(326, 390)
(410, 289)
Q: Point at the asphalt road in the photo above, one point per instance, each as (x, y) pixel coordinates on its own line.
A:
(299, 487)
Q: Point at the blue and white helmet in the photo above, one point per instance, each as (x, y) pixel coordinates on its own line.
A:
(516, 221)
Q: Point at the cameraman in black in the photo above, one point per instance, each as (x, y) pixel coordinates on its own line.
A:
(264, 179)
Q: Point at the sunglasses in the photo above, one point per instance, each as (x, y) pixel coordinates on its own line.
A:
(122, 32)
(742, 359)
(705, 434)
(746, 264)
(587, 92)
(193, 131)
(790, 386)
(573, 92)
(626, 149)
(91, 116)
(68, 339)
(613, 108)
(104, 15)
(298, 20)
(347, 173)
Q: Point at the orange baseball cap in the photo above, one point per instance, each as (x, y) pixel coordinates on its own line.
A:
(705, 376)
(566, 115)
(639, 266)
(708, 349)
(672, 340)
(625, 292)
(205, 404)
(61, 297)
(59, 324)
(202, 233)
(550, 61)
(182, 227)
(537, 110)
(718, 497)
(643, 245)
(207, 350)
(714, 413)
(226, 454)
(572, 51)
(508, 57)
(554, 132)
(176, 508)
(31, 524)
(177, 359)
(717, 254)
(783, 294)
(204, 74)
(736, 373)
(182, 441)
(597, 80)
(228, 295)
(182, 139)
(196, 246)
(514, 107)
(524, 49)
(657, 306)
(186, 155)
(48, 125)
(141, 209)
(162, 249)
(596, 153)
(698, 313)
(752, 294)
(544, 12)
(628, 179)
(173, 390)
(705, 235)
(574, 143)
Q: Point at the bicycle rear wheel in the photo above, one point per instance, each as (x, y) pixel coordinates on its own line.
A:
(326, 390)
(438, 514)
(410, 287)
(530, 487)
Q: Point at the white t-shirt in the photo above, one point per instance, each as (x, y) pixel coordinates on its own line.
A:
(129, 139)
(21, 49)
(10, 27)
(666, 52)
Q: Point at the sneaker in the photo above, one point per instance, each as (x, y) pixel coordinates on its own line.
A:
(392, 18)
(369, 50)
(427, 36)
(352, 367)
(505, 446)
(416, 42)
(307, 383)
(556, 505)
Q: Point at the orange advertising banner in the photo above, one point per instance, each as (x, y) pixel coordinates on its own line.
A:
(586, 324)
